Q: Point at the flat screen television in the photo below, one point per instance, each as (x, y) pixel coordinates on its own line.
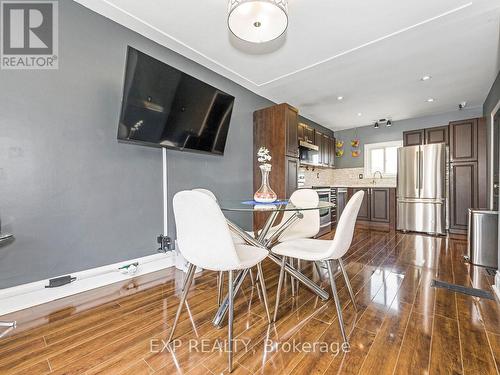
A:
(165, 107)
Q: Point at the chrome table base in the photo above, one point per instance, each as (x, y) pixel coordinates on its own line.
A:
(262, 242)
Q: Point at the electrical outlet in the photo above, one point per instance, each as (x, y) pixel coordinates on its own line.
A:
(165, 243)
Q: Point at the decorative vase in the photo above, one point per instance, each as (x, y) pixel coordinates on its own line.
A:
(265, 194)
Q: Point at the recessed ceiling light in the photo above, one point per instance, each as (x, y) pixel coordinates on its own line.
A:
(360, 114)
(340, 97)
(426, 78)
(376, 125)
(430, 100)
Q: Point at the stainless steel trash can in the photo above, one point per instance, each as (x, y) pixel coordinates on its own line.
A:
(482, 238)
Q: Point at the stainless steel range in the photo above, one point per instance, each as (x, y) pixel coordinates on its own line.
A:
(325, 214)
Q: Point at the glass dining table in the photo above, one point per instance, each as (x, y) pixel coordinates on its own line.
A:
(264, 240)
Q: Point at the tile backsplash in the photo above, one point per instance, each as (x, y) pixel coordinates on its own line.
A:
(348, 177)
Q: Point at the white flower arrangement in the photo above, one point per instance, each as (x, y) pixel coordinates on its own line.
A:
(263, 158)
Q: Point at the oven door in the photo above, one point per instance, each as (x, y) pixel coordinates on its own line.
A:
(325, 216)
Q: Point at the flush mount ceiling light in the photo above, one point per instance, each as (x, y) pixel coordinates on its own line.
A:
(360, 114)
(258, 21)
(426, 78)
(430, 100)
(339, 98)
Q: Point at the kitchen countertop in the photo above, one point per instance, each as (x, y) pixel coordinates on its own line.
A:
(366, 185)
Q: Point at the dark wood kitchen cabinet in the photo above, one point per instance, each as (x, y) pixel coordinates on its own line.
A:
(305, 133)
(318, 141)
(463, 140)
(291, 174)
(332, 153)
(468, 171)
(292, 143)
(414, 137)
(309, 134)
(463, 194)
(438, 134)
(276, 128)
(380, 205)
(301, 132)
(325, 150)
(364, 210)
(378, 209)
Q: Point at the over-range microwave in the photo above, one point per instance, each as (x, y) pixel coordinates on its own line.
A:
(308, 153)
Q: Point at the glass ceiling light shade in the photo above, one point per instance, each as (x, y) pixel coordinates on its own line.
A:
(258, 21)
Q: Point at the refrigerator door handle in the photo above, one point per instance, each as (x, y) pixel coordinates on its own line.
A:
(420, 167)
(417, 172)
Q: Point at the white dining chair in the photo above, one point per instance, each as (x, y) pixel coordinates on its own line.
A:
(237, 239)
(205, 241)
(309, 225)
(327, 251)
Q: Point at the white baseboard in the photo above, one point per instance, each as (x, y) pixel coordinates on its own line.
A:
(496, 287)
(32, 294)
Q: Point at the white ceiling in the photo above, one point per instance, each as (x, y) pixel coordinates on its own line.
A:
(373, 53)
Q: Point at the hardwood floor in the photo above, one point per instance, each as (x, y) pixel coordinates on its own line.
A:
(402, 324)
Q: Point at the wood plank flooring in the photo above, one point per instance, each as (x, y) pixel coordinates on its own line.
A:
(401, 326)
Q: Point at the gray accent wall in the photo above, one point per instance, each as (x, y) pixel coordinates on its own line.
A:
(368, 134)
(72, 195)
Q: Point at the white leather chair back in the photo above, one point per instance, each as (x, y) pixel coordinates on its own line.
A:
(203, 235)
(345, 227)
(308, 226)
(207, 192)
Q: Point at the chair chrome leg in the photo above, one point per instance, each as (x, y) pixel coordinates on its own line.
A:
(299, 268)
(220, 287)
(262, 282)
(338, 306)
(348, 283)
(251, 276)
(280, 284)
(230, 321)
(8, 324)
(318, 270)
(187, 285)
(291, 262)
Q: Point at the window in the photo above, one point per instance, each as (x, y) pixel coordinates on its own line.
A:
(382, 157)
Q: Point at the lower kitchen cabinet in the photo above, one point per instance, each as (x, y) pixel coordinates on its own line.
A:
(364, 210)
(463, 194)
(378, 209)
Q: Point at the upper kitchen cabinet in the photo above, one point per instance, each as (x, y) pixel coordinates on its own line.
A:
(305, 133)
(325, 150)
(332, 152)
(292, 143)
(301, 130)
(463, 140)
(309, 134)
(318, 141)
(414, 137)
(438, 134)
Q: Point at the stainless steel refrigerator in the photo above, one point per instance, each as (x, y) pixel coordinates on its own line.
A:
(421, 191)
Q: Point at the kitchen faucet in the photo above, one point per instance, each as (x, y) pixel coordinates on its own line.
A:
(374, 174)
